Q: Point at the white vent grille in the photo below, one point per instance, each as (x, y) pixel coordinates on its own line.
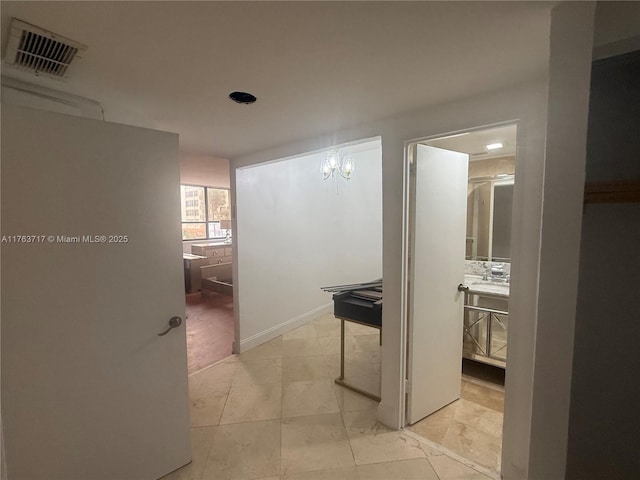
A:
(40, 51)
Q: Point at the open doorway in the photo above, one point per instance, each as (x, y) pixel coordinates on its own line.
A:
(207, 255)
(460, 192)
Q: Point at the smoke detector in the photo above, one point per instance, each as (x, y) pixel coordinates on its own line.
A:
(40, 51)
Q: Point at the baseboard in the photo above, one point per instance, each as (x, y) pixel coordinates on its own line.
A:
(284, 327)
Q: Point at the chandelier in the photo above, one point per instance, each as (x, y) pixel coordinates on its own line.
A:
(334, 162)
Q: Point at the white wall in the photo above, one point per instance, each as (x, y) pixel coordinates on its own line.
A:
(29, 95)
(570, 55)
(199, 169)
(297, 232)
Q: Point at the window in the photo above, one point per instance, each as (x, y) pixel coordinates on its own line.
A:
(206, 212)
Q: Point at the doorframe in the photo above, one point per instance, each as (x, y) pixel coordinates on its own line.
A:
(408, 157)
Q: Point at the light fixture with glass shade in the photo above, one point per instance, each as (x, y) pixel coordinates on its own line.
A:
(335, 162)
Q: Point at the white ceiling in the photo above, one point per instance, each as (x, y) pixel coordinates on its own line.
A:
(315, 67)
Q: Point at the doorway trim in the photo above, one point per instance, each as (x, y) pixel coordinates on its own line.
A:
(407, 220)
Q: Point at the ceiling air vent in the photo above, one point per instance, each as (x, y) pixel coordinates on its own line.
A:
(42, 52)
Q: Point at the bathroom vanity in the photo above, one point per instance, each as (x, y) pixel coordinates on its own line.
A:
(487, 265)
(485, 320)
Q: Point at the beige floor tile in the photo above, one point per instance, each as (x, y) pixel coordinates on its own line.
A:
(333, 364)
(481, 418)
(314, 443)
(305, 331)
(385, 447)
(247, 403)
(372, 442)
(331, 345)
(365, 359)
(295, 369)
(308, 398)
(245, 451)
(487, 397)
(363, 423)
(201, 441)
(301, 347)
(270, 349)
(414, 469)
(217, 378)
(368, 383)
(347, 473)
(206, 409)
(449, 469)
(352, 328)
(435, 426)
(350, 401)
(327, 326)
(258, 372)
(324, 317)
(468, 429)
(367, 343)
(473, 444)
(355, 364)
(292, 378)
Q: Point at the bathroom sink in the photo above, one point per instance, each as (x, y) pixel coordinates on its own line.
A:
(477, 285)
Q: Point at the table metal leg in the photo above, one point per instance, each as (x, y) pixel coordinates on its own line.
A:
(341, 348)
(340, 379)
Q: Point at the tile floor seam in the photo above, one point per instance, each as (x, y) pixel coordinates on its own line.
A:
(225, 405)
(434, 468)
(346, 431)
(224, 360)
(210, 449)
(280, 449)
(454, 456)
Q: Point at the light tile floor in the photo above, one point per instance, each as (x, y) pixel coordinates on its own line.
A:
(471, 426)
(274, 413)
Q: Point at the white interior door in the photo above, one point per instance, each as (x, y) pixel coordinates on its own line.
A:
(89, 389)
(436, 305)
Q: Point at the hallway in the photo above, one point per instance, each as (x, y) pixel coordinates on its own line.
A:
(275, 413)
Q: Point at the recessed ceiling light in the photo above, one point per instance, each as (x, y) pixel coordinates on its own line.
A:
(493, 146)
(242, 97)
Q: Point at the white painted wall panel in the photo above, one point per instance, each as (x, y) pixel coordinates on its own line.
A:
(298, 232)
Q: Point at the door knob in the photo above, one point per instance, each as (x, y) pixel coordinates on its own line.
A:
(174, 322)
(463, 288)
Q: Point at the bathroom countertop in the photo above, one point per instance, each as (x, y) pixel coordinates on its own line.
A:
(478, 286)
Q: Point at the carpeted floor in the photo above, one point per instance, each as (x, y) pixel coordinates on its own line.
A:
(209, 329)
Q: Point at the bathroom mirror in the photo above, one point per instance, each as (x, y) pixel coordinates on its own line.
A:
(489, 209)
